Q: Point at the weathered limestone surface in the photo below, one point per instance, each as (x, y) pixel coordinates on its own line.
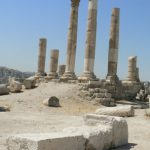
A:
(93, 91)
(97, 137)
(89, 59)
(14, 86)
(72, 41)
(52, 102)
(119, 127)
(53, 64)
(121, 111)
(41, 57)
(132, 69)
(130, 88)
(61, 70)
(29, 83)
(113, 46)
(3, 89)
(132, 85)
(98, 133)
(52, 141)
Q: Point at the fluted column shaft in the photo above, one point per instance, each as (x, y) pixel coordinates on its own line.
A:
(113, 44)
(53, 63)
(72, 39)
(89, 59)
(61, 69)
(132, 69)
(41, 57)
(91, 37)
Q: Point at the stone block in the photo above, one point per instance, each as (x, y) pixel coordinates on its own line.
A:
(121, 111)
(97, 137)
(3, 89)
(105, 101)
(52, 102)
(103, 95)
(15, 86)
(53, 141)
(119, 127)
(29, 83)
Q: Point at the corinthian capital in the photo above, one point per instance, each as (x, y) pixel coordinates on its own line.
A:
(75, 3)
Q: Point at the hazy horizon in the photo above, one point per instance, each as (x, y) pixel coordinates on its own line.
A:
(23, 23)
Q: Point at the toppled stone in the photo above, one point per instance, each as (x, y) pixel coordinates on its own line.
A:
(147, 112)
(109, 102)
(97, 137)
(3, 89)
(121, 111)
(52, 102)
(99, 133)
(14, 86)
(4, 108)
(52, 141)
(119, 127)
(29, 83)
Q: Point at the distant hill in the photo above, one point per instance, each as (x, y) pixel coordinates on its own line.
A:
(6, 72)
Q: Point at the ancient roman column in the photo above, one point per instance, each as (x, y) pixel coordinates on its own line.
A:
(53, 64)
(72, 41)
(61, 69)
(137, 74)
(113, 46)
(89, 59)
(41, 57)
(132, 69)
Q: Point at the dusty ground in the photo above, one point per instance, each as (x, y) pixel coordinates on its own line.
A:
(29, 115)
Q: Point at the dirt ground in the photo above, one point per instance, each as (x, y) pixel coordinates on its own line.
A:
(29, 115)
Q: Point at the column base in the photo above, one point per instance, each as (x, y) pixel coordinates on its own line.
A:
(112, 79)
(68, 76)
(40, 74)
(51, 75)
(129, 81)
(87, 77)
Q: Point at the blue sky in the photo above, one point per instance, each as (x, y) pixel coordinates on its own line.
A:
(23, 22)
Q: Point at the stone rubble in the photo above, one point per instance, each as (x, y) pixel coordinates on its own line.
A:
(120, 111)
(98, 133)
(3, 89)
(52, 102)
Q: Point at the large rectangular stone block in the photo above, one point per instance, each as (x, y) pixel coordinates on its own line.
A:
(119, 127)
(53, 141)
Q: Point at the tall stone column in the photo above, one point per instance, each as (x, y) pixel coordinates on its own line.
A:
(113, 46)
(72, 41)
(53, 64)
(61, 70)
(132, 69)
(41, 57)
(89, 59)
(137, 74)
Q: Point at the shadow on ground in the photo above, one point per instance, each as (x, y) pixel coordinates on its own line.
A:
(126, 147)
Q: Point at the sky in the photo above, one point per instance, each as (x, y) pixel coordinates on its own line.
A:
(24, 22)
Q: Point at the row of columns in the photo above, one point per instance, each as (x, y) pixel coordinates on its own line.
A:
(88, 73)
(54, 56)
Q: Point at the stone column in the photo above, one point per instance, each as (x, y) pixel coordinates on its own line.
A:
(132, 69)
(41, 57)
(61, 70)
(89, 59)
(113, 46)
(53, 64)
(72, 41)
(137, 74)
